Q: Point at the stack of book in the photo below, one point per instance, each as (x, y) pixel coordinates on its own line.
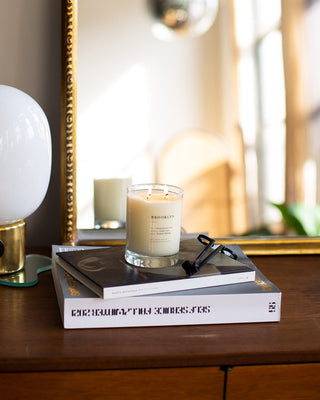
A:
(96, 288)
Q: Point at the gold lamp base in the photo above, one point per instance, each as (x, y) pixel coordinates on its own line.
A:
(12, 247)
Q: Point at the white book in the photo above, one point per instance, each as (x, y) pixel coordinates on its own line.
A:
(255, 301)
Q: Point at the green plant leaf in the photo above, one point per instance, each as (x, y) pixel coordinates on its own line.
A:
(290, 219)
(309, 216)
(302, 219)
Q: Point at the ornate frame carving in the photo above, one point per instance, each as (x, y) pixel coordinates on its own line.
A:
(68, 122)
(252, 246)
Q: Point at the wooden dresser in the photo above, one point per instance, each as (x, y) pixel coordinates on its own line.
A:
(41, 360)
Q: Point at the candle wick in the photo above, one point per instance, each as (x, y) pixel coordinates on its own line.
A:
(148, 195)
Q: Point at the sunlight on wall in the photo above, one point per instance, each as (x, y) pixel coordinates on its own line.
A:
(117, 117)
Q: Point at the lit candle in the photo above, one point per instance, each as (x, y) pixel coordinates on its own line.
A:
(153, 224)
(110, 201)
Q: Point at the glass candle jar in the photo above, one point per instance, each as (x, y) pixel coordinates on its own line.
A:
(153, 228)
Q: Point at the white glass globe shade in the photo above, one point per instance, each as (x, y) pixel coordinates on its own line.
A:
(25, 155)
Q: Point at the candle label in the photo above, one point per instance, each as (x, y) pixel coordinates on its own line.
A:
(159, 234)
(162, 227)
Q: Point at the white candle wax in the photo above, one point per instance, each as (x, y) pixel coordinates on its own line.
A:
(154, 220)
(110, 199)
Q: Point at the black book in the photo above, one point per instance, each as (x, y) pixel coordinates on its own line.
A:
(106, 273)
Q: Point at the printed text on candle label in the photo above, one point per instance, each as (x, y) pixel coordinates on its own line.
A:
(161, 229)
(162, 216)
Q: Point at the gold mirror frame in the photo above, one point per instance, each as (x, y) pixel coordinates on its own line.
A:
(252, 246)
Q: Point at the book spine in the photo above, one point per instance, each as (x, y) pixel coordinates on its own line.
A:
(172, 310)
(58, 288)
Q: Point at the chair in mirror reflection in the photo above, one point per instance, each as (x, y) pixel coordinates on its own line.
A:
(199, 162)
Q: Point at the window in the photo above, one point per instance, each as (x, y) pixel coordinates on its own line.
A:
(261, 104)
(278, 64)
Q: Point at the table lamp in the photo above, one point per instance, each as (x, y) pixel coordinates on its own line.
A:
(25, 168)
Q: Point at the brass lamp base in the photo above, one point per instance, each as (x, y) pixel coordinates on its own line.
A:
(12, 247)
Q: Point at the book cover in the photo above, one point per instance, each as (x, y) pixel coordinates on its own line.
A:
(249, 302)
(105, 272)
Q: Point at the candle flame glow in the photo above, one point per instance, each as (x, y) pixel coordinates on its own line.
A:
(165, 191)
(149, 193)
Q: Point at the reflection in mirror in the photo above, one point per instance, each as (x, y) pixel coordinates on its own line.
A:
(189, 18)
(243, 84)
(134, 105)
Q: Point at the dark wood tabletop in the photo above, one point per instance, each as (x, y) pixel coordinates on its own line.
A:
(32, 337)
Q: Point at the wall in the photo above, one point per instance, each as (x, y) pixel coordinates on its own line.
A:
(30, 61)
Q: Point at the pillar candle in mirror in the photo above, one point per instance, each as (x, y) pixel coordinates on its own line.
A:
(153, 224)
(110, 202)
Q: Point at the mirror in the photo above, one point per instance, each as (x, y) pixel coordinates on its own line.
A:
(72, 169)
